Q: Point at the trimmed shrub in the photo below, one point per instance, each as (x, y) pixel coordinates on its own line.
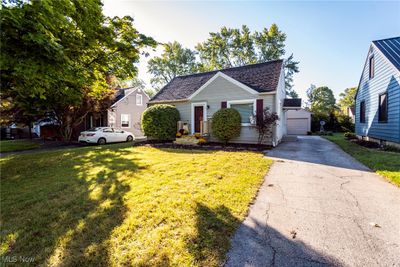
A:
(226, 124)
(159, 122)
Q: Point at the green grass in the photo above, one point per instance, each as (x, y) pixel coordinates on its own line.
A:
(120, 205)
(15, 145)
(385, 163)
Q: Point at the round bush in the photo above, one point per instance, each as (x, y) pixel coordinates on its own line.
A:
(159, 122)
(226, 124)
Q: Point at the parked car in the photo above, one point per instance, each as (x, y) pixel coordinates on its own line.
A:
(103, 135)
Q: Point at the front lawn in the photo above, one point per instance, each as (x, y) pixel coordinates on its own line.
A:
(384, 163)
(121, 205)
(15, 145)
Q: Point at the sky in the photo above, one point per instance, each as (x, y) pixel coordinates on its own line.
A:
(329, 39)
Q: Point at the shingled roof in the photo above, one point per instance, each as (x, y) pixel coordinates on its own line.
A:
(262, 77)
(391, 49)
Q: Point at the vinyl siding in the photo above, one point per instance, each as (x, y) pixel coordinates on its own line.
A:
(128, 106)
(386, 79)
(222, 90)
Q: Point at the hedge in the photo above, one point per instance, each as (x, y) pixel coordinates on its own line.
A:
(159, 122)
(226, 124)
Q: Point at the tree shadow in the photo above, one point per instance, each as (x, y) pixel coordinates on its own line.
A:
(66, 215)
(259, 245)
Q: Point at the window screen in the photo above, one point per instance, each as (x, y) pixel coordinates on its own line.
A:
(383, 110)
(125, 120)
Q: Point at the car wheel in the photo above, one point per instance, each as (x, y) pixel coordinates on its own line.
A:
(101, 141)
(129, 138)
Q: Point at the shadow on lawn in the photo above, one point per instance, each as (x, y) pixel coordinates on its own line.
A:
(70, 221)
(259, 245)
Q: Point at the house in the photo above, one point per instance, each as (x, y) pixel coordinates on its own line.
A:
(124, 113)
(298, 121)
(249, 89)
(378, 94)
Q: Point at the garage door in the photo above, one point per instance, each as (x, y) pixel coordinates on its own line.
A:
(297, 126)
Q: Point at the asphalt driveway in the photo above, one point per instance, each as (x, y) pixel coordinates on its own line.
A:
(319, 207)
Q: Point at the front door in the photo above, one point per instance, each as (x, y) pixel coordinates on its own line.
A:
(198, 118)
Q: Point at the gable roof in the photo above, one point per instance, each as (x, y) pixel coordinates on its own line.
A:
(390, 48)
(122, 94)
(261, 77)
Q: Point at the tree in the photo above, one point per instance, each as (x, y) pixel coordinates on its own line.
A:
(174, 61)
(265, 123)
(238, 47)
(347, 98)
(59, 56)
(309, 93)
(322, 100)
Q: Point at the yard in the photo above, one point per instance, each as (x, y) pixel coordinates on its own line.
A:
(384, 163)
(123, 205)
(15, 145)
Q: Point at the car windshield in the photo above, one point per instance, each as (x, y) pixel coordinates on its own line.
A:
(94, 129)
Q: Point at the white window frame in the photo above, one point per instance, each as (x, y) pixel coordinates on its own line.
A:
(129, 120)
(198, 104)
(141, 100)
(244, 101)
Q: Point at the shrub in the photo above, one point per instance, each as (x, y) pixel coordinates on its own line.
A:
(202, 141)
(159, 122)
(345, 123)
(226, 124)
(350, 135)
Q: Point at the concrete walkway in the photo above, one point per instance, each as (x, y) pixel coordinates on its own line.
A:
(319, 207)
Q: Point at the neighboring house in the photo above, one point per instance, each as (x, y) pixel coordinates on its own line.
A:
(351, 112)
(378, 94)
(298, 122)
(125, 112)
(249, 89)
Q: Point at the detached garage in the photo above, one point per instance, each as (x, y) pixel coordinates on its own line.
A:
(298, 122)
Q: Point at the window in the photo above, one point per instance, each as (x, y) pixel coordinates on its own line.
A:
(246, 110)
(383, 108)
(362, 112)
(125, 120)
(139, 100)
(371, 67)
(107, 130)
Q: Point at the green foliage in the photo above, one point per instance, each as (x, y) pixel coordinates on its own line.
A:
(347, 98)
(174, 61)
(265, 123)
(322, 100)
(230, 47)
(226, 124)
(345, 123)
(159, 122)
(350, 135)
(58, 56)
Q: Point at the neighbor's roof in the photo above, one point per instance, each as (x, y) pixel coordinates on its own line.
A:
(262, 77)
(292, 102)
(391, 49)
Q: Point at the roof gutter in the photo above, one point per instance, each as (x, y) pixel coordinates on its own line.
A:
(168, 101)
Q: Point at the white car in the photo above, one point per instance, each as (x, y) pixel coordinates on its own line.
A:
(103, 135)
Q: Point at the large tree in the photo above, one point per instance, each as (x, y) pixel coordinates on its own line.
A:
(347, 98)
(322, 100)
(174, 61)
(237, 47)
(59, 56)
(224, 49)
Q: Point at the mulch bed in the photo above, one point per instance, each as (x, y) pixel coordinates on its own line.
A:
(364, 143)
(208, 146)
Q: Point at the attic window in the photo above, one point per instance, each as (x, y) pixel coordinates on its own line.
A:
(139, 100)
(371, 67)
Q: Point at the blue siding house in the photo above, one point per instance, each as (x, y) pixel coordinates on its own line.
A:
(378, 96)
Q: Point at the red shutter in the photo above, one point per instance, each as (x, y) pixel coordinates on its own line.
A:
(223, 104)
(259, 110)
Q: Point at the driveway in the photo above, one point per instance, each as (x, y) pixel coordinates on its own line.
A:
(319, 207)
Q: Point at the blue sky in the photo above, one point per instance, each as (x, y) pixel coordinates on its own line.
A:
(330, 39)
